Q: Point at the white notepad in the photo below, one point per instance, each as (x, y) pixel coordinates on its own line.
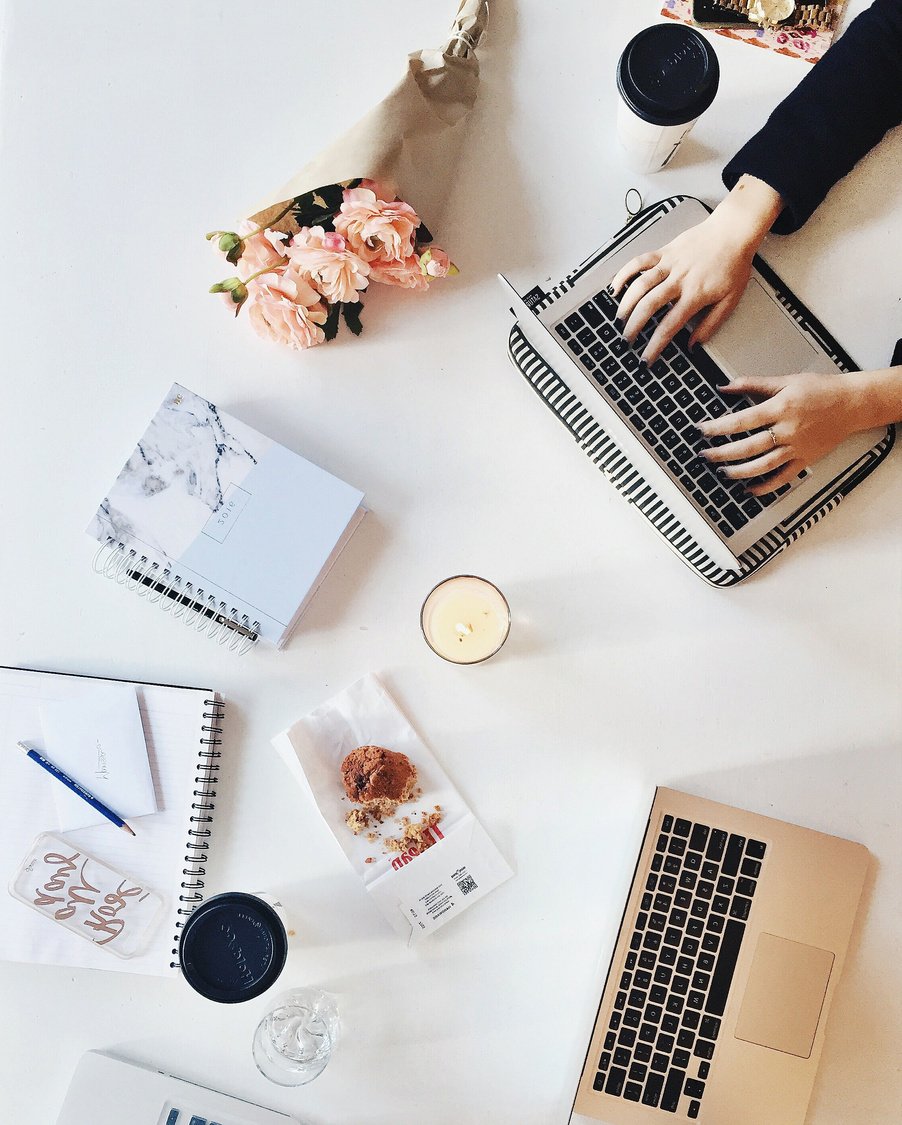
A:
(217, 519)
(182, 727)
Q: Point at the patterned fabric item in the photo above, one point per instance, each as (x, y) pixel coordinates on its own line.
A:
(619, 470)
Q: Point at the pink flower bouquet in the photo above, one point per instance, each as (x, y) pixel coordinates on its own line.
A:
(305, 258)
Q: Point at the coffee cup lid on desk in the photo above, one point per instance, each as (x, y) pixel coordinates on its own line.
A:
(233, 948)
(668, 74)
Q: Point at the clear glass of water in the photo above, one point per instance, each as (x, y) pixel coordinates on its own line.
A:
(294, 1041)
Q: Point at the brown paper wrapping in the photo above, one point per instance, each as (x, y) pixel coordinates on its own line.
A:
(409, 141)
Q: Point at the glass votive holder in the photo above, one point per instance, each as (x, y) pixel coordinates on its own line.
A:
(294, 1041)
(465, 619)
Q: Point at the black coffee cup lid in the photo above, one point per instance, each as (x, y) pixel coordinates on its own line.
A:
(668, 74)
(233, 947)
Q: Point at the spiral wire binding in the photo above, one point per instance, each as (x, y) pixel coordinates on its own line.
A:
(199, 830)
(182, 599)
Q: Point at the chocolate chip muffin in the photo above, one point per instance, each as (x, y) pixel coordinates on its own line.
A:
(377, 778)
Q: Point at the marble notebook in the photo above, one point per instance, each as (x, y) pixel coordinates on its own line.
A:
(223, 525)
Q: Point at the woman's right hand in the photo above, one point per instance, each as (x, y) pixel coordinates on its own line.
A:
(705, 268)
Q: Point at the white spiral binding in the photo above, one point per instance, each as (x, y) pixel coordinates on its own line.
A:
(181, 598)
(199, 828)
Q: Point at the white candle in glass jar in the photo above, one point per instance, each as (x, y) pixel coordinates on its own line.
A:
(465, 619)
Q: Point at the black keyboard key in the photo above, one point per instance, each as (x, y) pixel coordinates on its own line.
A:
(672, 936)
(651, 940)
(691, 1020)
(647, 959)
(642, 374)
(634, 395)
(688, 880)
(657, 994)
(704, 1069)
(751, 507)
(670, 1025)
(665, 1043)
(740, 908)
(609, 365)
(703, 1049)
(609, 1040)
(619, 346)
(637, 998)
(646, 902)
(682, 899)
(730, 865)
(705, 962)
(681, 1059)
(673, 1087)
(709, 1028)
(632, 1092)
(642, 1052)
(614, 1084)
(651, 882)
(626, 1038)
(755, 849)
(657, 922)
(672, 865)
(694, 412)
(717, 840)
(648, 1033)
(630, 361)
(693, 1088)
(638, 1072)
(607, 332)
(680, 364)
(704, 889)
(674, 1005)
(715, 923)
(606, 302)
(693, 861)
(662, 901)
(679, 421)
(598, 1084)
(575, 346)
(689, 947)
(671, 383)
(686, 1038)
(591, 314)
(726, 966)
(623, 381)
(701, 981)
(620, 1001)
(660, 1063)
(656, 863)
(699, 838)
(586, 337)
(641, 920)
(635, 941)
(667, 884)
(719, 904)
(704, 394)
(693, 1110)
(668, 956)
(676, 845)
(643, 978)
(632, 1017)
(695, 1000)
(615, 1021)
(653, 1088)
(746, 887)
(683, 397)
(680, 985)
(677, 917)
(562, 330)
(684, 966)
(622, 1057)
(725, 885)
(653, 1013)
(734, 516)
(598, 351)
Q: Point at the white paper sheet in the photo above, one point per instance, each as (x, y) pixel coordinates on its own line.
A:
(97, 738)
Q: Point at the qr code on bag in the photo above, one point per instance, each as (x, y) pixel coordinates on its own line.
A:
(466, 884)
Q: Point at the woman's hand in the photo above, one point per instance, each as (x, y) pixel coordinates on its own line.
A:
(801, 419)
(705, 267)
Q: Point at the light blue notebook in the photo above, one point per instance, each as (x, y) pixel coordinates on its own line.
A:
(221, 525)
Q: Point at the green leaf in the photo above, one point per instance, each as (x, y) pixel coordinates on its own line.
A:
(330, 328)
(351, 311)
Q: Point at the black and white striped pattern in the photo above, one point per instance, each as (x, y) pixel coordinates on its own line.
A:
(620, 471)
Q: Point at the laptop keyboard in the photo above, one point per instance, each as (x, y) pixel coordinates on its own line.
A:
(663, 403)
(673, 986)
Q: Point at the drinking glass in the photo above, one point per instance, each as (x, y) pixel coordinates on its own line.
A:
(294, 1040)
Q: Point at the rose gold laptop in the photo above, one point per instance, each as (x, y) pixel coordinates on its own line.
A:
(729, 952)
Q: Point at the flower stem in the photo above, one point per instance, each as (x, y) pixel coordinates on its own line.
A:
(267, 226)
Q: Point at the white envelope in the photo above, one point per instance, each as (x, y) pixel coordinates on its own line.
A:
(97, 738)
(417, 892)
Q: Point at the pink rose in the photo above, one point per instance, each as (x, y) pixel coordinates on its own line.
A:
(325, 259)
(380, 190)
(376, 230)
(283, 307)
(260, 250)
(406, 274)
(436, 262)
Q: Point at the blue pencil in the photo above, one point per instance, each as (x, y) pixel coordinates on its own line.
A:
(71, 783)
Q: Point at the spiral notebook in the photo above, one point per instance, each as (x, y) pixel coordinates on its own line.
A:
(183, 731)
(221, 525)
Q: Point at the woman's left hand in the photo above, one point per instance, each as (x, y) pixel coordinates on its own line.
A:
(801, 418)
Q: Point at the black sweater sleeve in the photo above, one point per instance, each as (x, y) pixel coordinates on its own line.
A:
(836, 114)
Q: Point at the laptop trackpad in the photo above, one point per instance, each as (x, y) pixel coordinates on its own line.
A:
(784, 995)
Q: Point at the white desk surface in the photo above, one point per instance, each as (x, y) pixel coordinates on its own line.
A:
(128, 130)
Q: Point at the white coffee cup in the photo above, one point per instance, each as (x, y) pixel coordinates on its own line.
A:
(667, 77)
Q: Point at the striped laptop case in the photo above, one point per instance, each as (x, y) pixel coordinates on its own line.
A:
(619, 470)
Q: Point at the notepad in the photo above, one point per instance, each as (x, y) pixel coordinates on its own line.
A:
(183, 734)
(221, 524)
(97, 738)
